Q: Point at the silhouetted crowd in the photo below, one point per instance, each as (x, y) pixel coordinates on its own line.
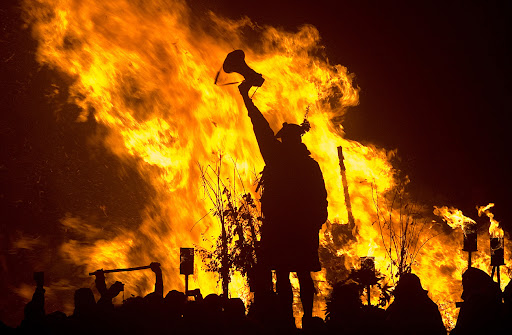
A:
(484, 310)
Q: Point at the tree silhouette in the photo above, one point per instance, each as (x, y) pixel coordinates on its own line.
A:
(403, 227)
(238, 214)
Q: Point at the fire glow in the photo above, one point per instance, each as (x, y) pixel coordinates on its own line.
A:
(146, 74)
(455, 218)
(494, 228)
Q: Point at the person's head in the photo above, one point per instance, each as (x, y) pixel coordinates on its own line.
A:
(344, 302)
(476, 282)
(213, 303)
(175, 297)
(235, 308)
(346, 294)
(290, 133)
(84, 301)
(473, 278)
(174, 302)
(409, 285)
(153, 300)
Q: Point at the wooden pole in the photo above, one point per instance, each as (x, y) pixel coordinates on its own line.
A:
(122, 270)
(498, 276)
(186, 285)
(368, 294)
(496, 268)
(224, 268)
(343, 172)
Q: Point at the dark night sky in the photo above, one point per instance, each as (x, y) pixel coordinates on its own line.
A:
(433, 85)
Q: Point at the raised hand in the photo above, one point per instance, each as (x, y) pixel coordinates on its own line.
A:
(39, 278)
(155, 267)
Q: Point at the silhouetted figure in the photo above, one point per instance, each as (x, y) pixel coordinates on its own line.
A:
(5, 329)
(507, 307)
(107, 316)
(294, 206)
(106, 295)
(132, 314)
(314, 326)
(85, 315)
(345, 309)
(159, 283)
(412, 311)
(234, 308)
(85, 305)
(34, 321)
(347, 315)
(193, 317)
(212, 318)
(174, 303)
(154, 311)
(234, 312)
(56, 323)
(481, 311)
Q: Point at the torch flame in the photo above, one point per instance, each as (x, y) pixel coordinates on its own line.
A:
(455, 218)
(494, 228)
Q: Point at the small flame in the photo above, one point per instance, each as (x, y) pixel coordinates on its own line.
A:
(372, 246)
(494, 228)
(454, 218)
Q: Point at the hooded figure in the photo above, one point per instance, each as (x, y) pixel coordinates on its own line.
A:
(294, 206)
(412, 311)
(481, 311)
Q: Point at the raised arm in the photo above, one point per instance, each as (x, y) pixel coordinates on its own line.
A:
(106, 294)
(101, 286)
(159, 283)
(34, 310)
(38, 296)
(264, 134)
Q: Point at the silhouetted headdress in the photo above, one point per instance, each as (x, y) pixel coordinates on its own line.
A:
(293, 130)
(408, 285)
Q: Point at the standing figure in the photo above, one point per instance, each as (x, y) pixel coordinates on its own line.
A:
(412, 311)
(482, 308)
(294, 206)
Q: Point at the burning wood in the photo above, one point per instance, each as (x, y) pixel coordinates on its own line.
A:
(343, 171)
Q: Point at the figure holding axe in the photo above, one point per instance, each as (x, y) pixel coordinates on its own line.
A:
(108, 294)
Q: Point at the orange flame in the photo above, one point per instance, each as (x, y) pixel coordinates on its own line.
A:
(455, 218)
(494, 228)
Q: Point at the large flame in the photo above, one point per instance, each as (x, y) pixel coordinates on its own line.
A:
(145, 72)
